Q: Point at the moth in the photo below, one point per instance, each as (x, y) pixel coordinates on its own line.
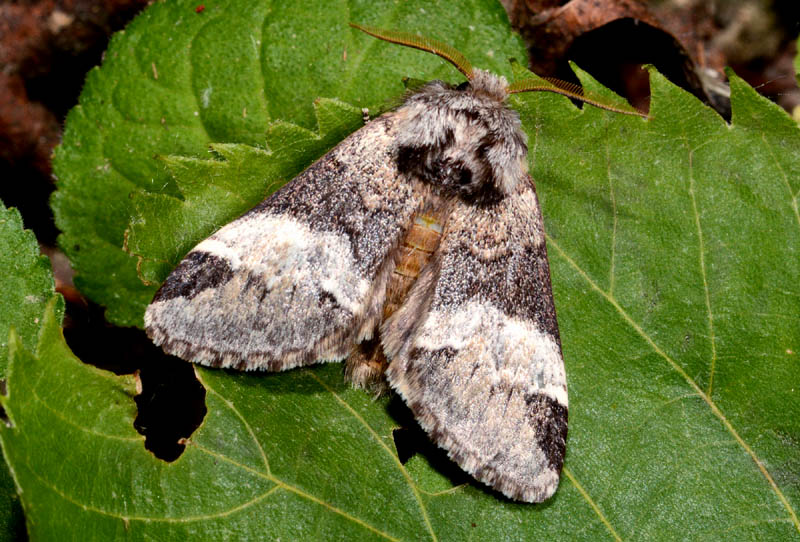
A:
(414, 250)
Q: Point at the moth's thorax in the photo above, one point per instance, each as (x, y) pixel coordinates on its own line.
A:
(453, 143)
(463, 142)
(491, 85)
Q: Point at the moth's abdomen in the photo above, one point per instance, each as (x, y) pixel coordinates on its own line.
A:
(413, 255)
(366, 365)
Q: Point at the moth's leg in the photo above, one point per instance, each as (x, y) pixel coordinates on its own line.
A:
(365, 366)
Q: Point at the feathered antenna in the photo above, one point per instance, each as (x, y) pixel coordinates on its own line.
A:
(420, 42)
(449, 53)
(571, 90)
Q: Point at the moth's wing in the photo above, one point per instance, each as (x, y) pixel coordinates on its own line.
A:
(475, 350)
(302, 276)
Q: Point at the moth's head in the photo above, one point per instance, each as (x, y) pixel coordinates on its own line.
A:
(464, 140)
(461, 140)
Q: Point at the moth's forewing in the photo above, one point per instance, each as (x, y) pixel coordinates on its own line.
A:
(476, 352)
(294, 280)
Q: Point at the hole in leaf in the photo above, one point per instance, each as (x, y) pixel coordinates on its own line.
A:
(15, 526)
(611, 44)
(171, 403)
(4, 392)
(410, 439)
(607, 53)
(406, 443)
(168, 406)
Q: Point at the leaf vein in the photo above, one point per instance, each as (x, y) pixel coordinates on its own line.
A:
(792, 196)
(447, 491)
(672, 363)
(611, 272)
(239, 415)
(593, 504)
(200, 116)
(69, 422)
(296, 490)
(394, 457)
(125, 518)
(703, 273)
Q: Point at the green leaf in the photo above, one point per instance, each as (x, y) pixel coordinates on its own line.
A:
(69, 407)
(674, 252)
(215, 192)
(176, 82)
(674, 256)
(673, 247)
(28, 285)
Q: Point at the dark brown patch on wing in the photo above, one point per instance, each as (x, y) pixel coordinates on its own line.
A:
(550, 418)
(516, 280)
(197, 272)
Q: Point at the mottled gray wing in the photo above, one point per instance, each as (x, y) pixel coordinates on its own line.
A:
(475, 350)
(302, 276)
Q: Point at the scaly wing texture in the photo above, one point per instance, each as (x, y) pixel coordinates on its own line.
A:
(475, 350)
(300, 277)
